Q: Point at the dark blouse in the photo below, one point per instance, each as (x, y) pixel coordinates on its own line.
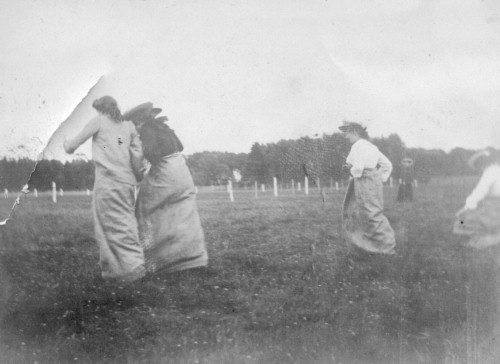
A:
(158, 140)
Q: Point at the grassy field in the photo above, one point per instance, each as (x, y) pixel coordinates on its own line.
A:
(281, 287)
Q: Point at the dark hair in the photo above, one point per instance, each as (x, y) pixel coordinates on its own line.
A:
(108, 106)
(362, 133)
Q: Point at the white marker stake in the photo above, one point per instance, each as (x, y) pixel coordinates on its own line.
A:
(318, 183)
(275, 185)
(298, 186)
(400, 181)
(35, 191)
(54, 192)
(306, 185)
(293, 187)
(416, 183)
(6, 193)
(88, 192)
(256, 190)
(61, 192)
(230, 190)
(337, 185)
(135, 193)
(263, 187)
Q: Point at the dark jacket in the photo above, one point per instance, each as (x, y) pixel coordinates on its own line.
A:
(158, 140)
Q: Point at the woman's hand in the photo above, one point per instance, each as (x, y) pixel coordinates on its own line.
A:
(346, 167)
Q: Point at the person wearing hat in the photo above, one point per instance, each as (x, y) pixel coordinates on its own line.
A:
(170, 230)
(365, 225)
(405, 190)
(117, 155)
(479, 219)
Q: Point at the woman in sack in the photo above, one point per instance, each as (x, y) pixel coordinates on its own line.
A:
(479, 219)
(117, 155)
(170, 230)
(365, 225)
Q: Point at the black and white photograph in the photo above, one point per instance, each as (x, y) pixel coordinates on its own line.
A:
(250, 182)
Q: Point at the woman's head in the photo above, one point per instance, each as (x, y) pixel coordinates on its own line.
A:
(353, 131)
(108, 106)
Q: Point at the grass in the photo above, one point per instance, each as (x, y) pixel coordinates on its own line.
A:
(281, 287)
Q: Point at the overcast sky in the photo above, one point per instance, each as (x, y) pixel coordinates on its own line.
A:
(231, 73)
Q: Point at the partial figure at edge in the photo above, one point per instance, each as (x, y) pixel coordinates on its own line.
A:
(479, 219)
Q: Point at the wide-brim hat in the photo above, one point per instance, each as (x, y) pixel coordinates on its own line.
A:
(155, 111)
(162, 119)
(477, 158)
(139, 113)
(348, 126)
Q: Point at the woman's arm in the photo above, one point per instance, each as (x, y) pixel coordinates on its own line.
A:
(356, 161)
(481, 191)
(136, 155)
(88, 130)
(385, 167)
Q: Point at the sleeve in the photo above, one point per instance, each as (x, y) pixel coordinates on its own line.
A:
(356, 160)
(136, 155)
(481, 191)
(385, 166)
(88, 131)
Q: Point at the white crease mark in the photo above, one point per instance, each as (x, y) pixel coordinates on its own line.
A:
(25, 189)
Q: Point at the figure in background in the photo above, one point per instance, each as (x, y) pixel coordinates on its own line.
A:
(405, 191)
(479, 219)
(365, 225)
(170, 230)
(117, 155)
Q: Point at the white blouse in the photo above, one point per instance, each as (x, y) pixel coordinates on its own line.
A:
(488, 185)
(365, 155)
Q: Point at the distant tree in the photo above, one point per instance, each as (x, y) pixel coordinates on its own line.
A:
(214, 167)
(256, 167)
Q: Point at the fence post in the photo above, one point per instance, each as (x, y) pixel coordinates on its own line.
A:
(306, 185)
(5, 193)
(61, 192)
(337, 185)
(230, 190)
(35, 191)
(298, 186)
(275, 187)
(263, 187)
(293, 187)
(54, 192)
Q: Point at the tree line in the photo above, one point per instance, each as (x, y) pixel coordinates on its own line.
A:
(320, 157)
